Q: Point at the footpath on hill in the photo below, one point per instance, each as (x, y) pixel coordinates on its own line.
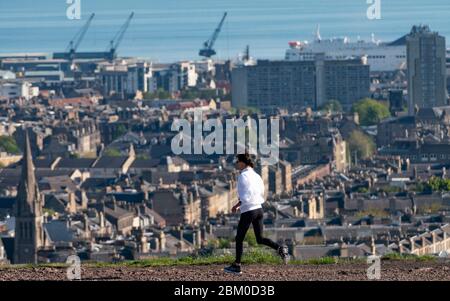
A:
(390, 270)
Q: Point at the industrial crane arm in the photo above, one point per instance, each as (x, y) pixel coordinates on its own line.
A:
(78, 38)
(216, 33)
(117, 40)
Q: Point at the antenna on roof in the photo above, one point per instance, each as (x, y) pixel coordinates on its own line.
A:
(318, 37)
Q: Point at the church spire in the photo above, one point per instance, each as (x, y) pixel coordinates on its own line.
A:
(28, 191)
(29, 234)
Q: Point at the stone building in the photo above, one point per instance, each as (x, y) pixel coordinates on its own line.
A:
(286, 176)
(217, 197)
(275, 180)
(313, 150)
(81, 138)
(177, 207)
(427, 243)
(313, 206)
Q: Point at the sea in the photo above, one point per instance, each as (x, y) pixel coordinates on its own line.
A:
(173, 30)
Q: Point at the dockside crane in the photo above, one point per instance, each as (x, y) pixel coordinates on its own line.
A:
(78, 38)
(208, 47)
(117, 40)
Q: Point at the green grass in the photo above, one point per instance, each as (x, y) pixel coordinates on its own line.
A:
(252, 256)
(30, 266)
(397, 256)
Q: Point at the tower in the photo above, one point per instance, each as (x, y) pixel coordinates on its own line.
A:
(29, 234)
(426, 69)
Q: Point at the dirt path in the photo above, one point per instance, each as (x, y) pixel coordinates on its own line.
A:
(390, 270)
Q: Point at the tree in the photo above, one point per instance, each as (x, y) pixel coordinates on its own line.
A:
(423, 188)
(119, 131)
(370, 111)
(249, 110)
(439, 184)
(9, 145)
(332, 106)
(362, 144)
(158, 94)
(142, 157)
(112, 152)
(195, 93)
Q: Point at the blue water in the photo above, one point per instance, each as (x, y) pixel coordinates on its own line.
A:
(169, 30)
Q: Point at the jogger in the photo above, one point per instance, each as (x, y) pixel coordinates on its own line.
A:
(251, 197)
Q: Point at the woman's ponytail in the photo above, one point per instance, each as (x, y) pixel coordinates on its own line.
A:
(246, 159)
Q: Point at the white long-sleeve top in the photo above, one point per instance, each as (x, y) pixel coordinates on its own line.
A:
(250, 190)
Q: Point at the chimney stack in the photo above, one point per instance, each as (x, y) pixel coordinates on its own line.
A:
(162, 241)
(373, 246)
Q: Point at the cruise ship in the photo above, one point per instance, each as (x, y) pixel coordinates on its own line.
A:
(382, 57)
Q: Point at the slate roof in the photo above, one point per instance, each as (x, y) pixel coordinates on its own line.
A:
(10, 177)
(43, 163)
(427, 113)
(57, 231)
(145, 163)
(97, 183)
(157, 151)
(78, 163)
(57, 183)
(158, 219)
(111, 162)
(117, 213)
(137, 197)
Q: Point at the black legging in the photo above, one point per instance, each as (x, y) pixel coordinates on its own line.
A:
(254, 217)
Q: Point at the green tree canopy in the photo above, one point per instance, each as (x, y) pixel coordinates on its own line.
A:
(112, 152)
(119, 131)
(8, 144)
(193, 93)
(332, 106)
(362, 144)
(439, 184)
(370, 111)
(249, 110)
(159, 94)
